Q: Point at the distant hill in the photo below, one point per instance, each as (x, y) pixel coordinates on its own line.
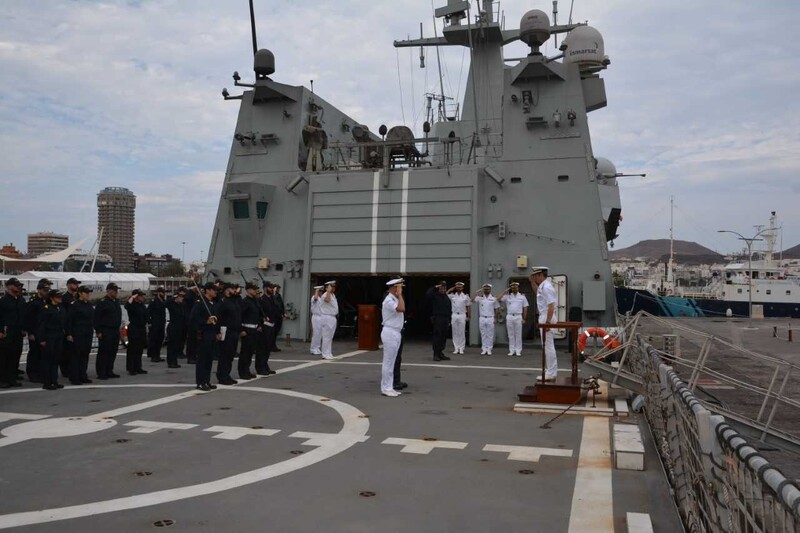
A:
(792, 253)
(658, 250)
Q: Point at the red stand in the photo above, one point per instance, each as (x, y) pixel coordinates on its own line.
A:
(564, 390)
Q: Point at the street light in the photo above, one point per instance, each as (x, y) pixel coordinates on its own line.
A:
(749, 242)
(183, 250)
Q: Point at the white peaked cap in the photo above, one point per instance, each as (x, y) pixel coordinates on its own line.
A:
(396, 281)
(330, 283)
(537, 269)
(319, 287)
(486, 285)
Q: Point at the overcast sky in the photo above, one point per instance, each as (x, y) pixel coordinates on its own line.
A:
(702, 96)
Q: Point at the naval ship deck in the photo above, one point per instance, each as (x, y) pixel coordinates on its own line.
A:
(317, 447)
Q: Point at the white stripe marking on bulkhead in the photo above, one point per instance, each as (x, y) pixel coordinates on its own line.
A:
(404, 224)
(376, 187)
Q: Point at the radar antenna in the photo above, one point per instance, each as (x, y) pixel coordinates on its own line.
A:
(253, 28)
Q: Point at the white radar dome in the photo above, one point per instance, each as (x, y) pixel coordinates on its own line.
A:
(585, 48)
(534, 28)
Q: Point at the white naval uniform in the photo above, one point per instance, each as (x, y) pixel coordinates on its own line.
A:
(458, 319)
(515, 304)
(327, 323)
(486, 307)
(316, 333)
(546, 295)
(391, 336)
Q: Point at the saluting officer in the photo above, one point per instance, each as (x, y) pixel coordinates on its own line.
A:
(30, 323)
(192, 297)
(516, 315)
(204, 320)
(157, 320)
(80, 321)
(316, 333)
(269, 312)
(441, 310)
(137, 332)
(392, 313)
(68, 354)
(107, 321)
(12, 312)
(229, 316)
(546, 303)
(176, 330)
(487, 316)
(50, 336)
(252, 330)
(460, 303)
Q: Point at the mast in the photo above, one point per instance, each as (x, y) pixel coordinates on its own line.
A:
(671, 244)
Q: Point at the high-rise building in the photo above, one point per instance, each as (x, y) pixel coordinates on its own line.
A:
(116, 218)
(45, 242)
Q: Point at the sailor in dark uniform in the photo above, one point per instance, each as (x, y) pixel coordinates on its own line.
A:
(80, 332)
(12, 312)
(278, 299)
(50, 336)
(30, 323)
(157, 320)
(189, 301)
(441, 311)
(204, 320)
(107, 321)
(137, 332)
(70, 295)
(230, 317)
(176, 329)
(252, 330)
(269, 314)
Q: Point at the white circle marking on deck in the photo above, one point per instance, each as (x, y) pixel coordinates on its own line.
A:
(354, 429)
(51, 428)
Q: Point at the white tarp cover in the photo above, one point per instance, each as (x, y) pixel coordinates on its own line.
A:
(96, 280)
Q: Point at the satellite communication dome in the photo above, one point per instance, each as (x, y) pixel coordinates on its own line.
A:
(534, 28)
(400, 133)
(605, 168)
(585, 48)
(264, 63)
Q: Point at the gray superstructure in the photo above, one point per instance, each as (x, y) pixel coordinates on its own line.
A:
(311, 194)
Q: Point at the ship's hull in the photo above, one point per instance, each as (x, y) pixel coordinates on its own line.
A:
(634, 300)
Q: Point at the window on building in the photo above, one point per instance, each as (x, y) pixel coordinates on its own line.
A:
(769, 291)
(241, 209)
(261, 210)
(788, 293)
(740, 291)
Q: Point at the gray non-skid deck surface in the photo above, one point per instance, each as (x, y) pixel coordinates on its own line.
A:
(448, 489)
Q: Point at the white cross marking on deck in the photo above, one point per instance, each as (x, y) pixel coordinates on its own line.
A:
(237, 432)
(319, 439)
(5, 417)
(424, 446)
(531, 454)
(145, 426)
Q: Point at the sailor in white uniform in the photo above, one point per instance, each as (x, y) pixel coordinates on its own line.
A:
(393, 310)
(328, 310)
(487, 313)
(461, 306)
(316, 333)
(546, 304)
(516, 315)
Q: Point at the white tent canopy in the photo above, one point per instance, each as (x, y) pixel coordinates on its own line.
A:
(96, 280)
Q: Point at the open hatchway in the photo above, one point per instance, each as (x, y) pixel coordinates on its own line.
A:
(353, 290)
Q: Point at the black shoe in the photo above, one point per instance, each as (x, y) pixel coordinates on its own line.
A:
(59, 386)
(140, 371)
(246, 376)
(211, 385)
(203, 387)
(271, 372)
(50, 386)
(102, 378)
(75, 382)
(192, 361)
(262, 372)
(86, 380)
(437, 358)
(157, 360)
(113, 375)
(443, 357)
(227, 381)
(276, 349)
(400, 385)
(174, 366)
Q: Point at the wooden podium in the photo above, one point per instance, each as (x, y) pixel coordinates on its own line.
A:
(564, 390)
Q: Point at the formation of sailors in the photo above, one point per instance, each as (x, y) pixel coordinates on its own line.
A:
(215, 321)
(205, 323)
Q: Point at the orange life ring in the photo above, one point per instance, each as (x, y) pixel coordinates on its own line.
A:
(608, 341)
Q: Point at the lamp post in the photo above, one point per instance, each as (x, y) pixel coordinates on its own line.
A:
(749, 242)
(183, 250)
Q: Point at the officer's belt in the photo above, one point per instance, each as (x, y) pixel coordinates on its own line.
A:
(250, 326)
